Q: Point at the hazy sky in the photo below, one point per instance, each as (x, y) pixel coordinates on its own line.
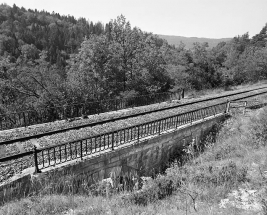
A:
(190, 18)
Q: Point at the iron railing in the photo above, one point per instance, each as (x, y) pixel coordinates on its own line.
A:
(32, 117)
(53, 155)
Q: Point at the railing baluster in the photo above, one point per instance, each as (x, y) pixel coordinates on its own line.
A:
(60, 153)
(66, 156)
(86, 147)
(24, 117)
(100, 143)
(35, 159)
(127, 139)
(81, 145)
(54, 153)
(117, 138)
(76, 151)
(43, 158)
(112, 142)
(108, 140)
(138, 132)
(166, 124)
(91, 145)
(70, 152)
(48, 154)
(95, 144)
(124, 135)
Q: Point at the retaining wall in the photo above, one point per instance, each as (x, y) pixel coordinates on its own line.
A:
(145, 157)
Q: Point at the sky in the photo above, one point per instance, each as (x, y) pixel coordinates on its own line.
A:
(189, 18)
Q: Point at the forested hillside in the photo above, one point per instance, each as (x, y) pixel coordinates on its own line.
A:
(49, 60)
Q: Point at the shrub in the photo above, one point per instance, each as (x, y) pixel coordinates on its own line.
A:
(152, 190)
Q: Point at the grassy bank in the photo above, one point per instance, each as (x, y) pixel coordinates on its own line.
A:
(229, 177)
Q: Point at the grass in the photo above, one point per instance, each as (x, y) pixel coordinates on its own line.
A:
(215, 91)
(227, 175)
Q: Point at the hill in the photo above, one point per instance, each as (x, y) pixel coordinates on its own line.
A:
(188, 41)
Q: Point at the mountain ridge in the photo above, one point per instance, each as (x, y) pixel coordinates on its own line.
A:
(189, 41)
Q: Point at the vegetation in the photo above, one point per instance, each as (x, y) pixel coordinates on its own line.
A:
(49, 60)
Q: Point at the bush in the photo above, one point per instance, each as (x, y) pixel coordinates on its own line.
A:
(152, 190)
(228, 174)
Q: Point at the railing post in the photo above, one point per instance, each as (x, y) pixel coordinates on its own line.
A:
(83, 110)
(112, 141)
(24, 117)
(54, 153)
(81, 145)
(245, 106)
(182, 93)
(159, 126)
(98, 108)
(227, 107)
(138, 127)
(35, 160)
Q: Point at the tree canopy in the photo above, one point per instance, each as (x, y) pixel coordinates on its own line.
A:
(47, 59)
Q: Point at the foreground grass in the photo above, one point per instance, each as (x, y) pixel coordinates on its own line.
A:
(229, 177)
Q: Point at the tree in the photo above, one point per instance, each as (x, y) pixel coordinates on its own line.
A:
(260, 39)
(89, 68)
(125, 45)
(29, 52)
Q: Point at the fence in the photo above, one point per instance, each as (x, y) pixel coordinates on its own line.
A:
(237, 106)
(54, 155)
(32, 117)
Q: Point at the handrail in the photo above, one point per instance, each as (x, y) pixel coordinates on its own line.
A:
(151, 121)
(16, 156)
(52, 155)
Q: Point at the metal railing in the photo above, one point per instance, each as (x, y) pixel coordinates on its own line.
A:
(53, 155)
(45, 157)
(32, 117)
